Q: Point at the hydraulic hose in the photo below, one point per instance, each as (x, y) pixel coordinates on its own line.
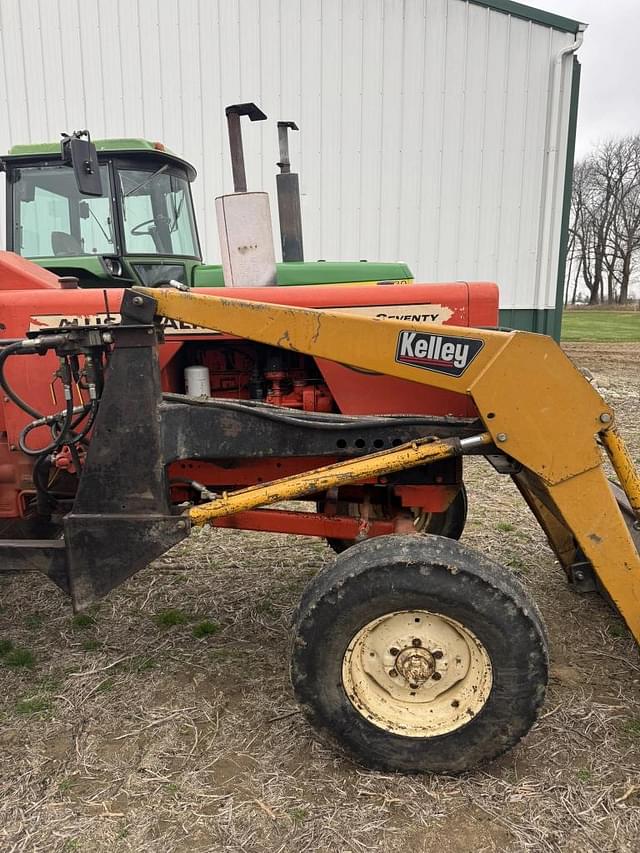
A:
(91, 410)
(63, 432)
(25, 347)
(45, 421)
(316, 420)
(5, 352)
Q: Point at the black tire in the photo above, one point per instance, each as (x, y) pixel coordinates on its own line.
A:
(449, 523)
(391, 574)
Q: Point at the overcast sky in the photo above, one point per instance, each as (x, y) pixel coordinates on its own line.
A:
(610, 58)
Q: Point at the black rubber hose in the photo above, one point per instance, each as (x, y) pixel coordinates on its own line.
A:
(56, 443)
(73, 450)
(93, 411)
(81, 416)
(90, 409)
(38, 474)
(5, 352)
(315, 419)
(44, 498)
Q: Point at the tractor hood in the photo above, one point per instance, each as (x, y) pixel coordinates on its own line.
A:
(17, 273)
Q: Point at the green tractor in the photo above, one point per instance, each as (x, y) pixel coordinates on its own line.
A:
(118, 212)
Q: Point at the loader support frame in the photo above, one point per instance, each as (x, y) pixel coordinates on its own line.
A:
(535, 406)
(121, 517)
(538, 419)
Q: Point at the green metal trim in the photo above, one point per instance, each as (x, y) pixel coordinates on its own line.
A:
(529, 13)
(315, 272)
(337, 272)
(90, 265)
(540, 320)
(566, 202)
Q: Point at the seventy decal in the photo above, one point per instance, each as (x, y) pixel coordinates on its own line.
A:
(438, 353)
(426, 312)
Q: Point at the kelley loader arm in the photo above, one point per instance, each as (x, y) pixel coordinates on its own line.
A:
(535, 405)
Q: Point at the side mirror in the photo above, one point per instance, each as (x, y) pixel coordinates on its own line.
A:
(25, 190)
(82, 155)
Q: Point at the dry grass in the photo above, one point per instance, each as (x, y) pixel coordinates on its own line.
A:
(139, 729)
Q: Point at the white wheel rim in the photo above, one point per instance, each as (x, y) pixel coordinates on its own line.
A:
(416, 673)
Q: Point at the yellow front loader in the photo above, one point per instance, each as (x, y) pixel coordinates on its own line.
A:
(412, 652)
(536, 408)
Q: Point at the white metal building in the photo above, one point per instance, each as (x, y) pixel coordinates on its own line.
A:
(437, 132)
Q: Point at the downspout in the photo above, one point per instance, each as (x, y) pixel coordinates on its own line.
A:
(547, 240)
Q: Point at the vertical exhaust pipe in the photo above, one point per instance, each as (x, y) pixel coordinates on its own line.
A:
(244, 218)
(233, 113)
(288, 188)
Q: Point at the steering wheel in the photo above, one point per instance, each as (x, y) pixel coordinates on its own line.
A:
(136, 232)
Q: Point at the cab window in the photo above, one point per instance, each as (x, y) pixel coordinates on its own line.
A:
(157, 212)
(52, 219)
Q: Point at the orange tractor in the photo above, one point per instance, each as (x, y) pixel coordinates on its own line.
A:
(128, 417)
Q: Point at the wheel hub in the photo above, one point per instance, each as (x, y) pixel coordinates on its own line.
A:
(417, 673)
(416, 665)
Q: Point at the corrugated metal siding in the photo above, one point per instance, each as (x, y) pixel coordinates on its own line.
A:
(424, 123)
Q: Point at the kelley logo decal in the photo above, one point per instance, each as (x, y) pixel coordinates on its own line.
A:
(438, 353)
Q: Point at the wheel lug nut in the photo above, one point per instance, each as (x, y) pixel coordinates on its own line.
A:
(393, 673)
(414, 686)
(417, 642)
(437, 654)
(436, 676)
(393, 651)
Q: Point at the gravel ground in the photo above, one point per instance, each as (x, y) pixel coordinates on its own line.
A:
(164, 720)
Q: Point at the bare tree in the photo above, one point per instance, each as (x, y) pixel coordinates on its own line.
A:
(604, 232)
(626, 225)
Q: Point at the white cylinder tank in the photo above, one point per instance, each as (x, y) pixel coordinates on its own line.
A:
(197, 381)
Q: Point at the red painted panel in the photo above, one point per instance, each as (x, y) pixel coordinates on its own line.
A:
(312, 524)
(16, 273)
(30, 299)
(358, 393)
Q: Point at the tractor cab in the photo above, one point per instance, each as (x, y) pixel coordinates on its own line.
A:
(119, 212)
(134, 224)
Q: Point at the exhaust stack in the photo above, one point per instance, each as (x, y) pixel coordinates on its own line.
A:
(288, 187)
(244, 218)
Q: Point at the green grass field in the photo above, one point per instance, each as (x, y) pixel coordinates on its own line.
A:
(588, 325)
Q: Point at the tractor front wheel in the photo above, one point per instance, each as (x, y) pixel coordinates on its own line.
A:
(415, 653)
